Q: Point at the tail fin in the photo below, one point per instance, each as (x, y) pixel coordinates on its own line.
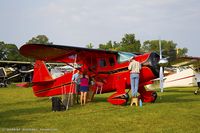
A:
(41, 73)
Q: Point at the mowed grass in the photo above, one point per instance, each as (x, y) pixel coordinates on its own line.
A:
(177, 110)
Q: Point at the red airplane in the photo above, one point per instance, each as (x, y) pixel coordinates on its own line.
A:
(109, 67)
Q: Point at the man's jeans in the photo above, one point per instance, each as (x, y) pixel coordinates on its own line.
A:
(134, 79)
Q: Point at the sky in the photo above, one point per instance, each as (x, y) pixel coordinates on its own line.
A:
(80, 22)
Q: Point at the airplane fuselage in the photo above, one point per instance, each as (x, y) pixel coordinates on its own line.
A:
(108, 67)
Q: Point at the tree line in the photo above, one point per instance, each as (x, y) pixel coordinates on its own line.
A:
(128, 43)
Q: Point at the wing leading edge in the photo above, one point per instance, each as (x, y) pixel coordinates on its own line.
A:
(58, 53)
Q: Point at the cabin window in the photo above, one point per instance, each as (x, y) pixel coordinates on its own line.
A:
(102, 62)
(111, 61)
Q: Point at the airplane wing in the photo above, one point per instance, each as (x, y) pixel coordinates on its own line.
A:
(59, 53)
(24, 66)
(7, 63)
(187, 61)
(19, 70)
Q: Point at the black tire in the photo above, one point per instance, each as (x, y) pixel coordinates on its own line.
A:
(154, 94)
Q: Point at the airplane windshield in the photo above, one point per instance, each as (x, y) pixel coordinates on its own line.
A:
(124, 56)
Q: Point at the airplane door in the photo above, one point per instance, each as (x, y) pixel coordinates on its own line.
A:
(106, 71)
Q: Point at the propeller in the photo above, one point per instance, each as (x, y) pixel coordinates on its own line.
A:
(162, 63)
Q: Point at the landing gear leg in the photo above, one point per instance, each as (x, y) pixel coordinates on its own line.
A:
(196, 91)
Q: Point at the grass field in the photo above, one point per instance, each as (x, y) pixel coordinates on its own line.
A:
(177, 110)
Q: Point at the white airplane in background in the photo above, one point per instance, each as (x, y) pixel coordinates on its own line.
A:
(181, 74)
(19, 71)
(60, 70)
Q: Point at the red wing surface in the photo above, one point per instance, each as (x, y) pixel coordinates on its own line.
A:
(59, 53)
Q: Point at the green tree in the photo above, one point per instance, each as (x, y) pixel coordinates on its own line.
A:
(106, 46)
(10, 52)
(169, 48)
(40, 39)
(153, 45)
(90, 45)
(181, 52)
(116, 46)
(129, 43)
(2, 50)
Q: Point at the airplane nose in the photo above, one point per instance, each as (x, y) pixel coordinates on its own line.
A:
(163, 62)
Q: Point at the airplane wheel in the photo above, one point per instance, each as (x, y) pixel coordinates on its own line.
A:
(154, 94)
(126, 97)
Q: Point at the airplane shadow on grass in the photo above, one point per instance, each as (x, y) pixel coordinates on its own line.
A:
(99, 99)
(177, 96)
(168, 96)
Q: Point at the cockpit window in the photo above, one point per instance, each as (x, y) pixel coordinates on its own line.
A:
(102, 62)
(124, 56)
(112, 61)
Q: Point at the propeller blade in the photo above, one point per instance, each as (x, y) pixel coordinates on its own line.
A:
(161, 79)
(162, 61)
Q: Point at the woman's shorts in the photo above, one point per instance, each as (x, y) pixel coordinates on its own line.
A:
(84, 89)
